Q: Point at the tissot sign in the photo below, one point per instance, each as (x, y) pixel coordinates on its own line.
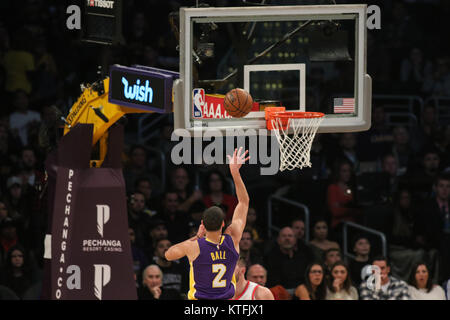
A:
(139, 87)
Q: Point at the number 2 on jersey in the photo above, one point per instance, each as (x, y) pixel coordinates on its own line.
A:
(220, 269)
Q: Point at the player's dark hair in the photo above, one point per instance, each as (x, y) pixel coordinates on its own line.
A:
(213, 218)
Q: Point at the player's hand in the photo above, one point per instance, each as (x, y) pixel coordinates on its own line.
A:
(237, 160)
(156, 292)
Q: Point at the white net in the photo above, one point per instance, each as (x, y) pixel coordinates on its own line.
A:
(295, 147)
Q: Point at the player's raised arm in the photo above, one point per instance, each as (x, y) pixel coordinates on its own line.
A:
(240, 212)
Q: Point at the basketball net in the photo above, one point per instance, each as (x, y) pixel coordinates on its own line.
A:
(295, 146)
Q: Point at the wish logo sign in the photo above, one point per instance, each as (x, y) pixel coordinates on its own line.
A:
(141, 89)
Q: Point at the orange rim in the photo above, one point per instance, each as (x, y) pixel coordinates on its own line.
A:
(295, 115)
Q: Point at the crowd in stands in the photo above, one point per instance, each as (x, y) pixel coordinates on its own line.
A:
(393, 179)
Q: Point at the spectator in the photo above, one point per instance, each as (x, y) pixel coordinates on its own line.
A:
(361, 248)
(285, 266)
(246, 289)
(175, 220)
(181, 185)
(137, 167)
(3, 212)
(144, 186)
(9, 149)
(30, 174)
(152, 288)
(196, 213)
(298, 225)
(257, 273)
(140, 260)
(390, 168)
(421, 286)
(433, 226)
(402, 149)
(251, 225)
(8, 237)
(404, 250)
(314, 287)
(175, 273)
(424, 134)
(19, 64)
(320, 242)
(139, 217)
(340, 195)
(247, 251)
(421, 180)
(22, 120)
(416, 72)
(377, 140)
(17, 273)
(330, 257)
(391, 288)
(347, 150)
(441, 77)
(215, 194)
(340, 285)
(158, 231)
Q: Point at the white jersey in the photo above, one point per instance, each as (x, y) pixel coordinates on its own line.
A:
(249, 291)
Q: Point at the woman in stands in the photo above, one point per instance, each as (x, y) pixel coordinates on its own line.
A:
(314, 287)
(421, 286)
(340, 285)
(320, 243)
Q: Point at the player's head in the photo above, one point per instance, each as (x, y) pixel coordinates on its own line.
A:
(213, 218)
(241, 268)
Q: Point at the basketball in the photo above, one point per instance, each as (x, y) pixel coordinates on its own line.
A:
(238, 103)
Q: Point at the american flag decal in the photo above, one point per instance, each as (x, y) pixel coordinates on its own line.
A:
(344, 105)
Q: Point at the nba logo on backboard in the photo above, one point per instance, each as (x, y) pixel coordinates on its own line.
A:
(198, 101)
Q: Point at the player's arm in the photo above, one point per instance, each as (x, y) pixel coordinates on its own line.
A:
(263, 293)
(239, 219)
(186, 247)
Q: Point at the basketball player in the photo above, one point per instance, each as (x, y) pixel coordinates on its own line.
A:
(246, 289)
(212, 254)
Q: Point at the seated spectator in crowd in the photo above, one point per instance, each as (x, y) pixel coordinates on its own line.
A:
(361, 248)
(180, 183)
(315, 287)
(285, 266)
(144, 186)
(247, 250)
(330, 257)
(251, 225)
(404, 250)
(17, 273)
(175, 273)
(377, 140)
(402, 149)
(320, 242)
(421, 180)
(347, 150)
(389, 167)
(215, 194)
(140, 260)
(390, 287)
(176, 221)
(339, 284)
(196, 212)
(139, 217)
(340, 195)
(424, 134)
(257, 273)
(29, 173)
(158, 231)
(137, 167)
(421, 286)
(298, 225)
(22, 120)
(433, 225)
(152, 288)
(416, 72)
(8, 237)
(246, 289)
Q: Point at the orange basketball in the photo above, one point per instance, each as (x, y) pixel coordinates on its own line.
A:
(238, 103)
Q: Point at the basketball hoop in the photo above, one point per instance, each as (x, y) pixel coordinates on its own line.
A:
(295, 149)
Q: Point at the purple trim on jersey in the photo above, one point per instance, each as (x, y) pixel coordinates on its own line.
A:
(224, 254)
